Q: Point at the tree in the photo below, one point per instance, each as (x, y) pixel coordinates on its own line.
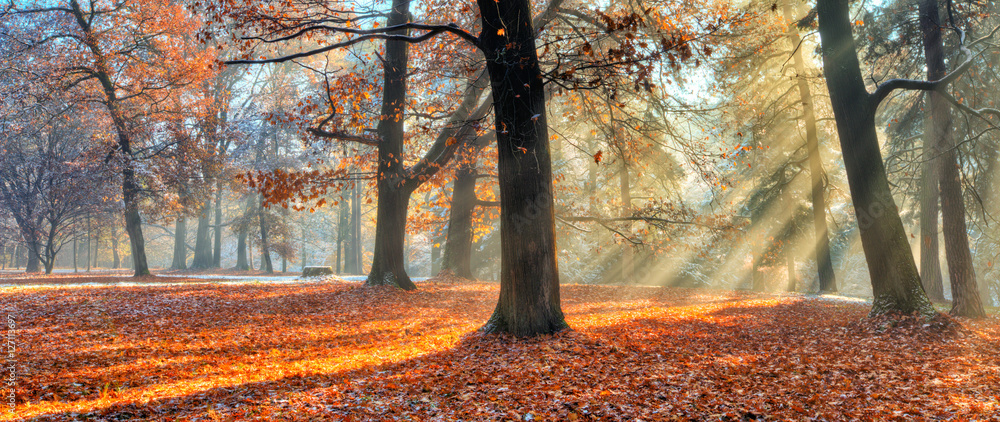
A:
(824, 263)
(896, 284)
(961, 274)
(49, 178)
(529, 277)
(126, 56)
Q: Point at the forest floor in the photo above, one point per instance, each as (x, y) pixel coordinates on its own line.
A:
(335, 350)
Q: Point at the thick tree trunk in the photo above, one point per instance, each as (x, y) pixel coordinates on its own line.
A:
(180, 245)
(133, 222)
(33, 264)
(895, 282)
(961, 274)
(458, 247)
(529, 277)
(930, 262)
(202, 242)
(824, 263)
(241, 251)
(388, 264)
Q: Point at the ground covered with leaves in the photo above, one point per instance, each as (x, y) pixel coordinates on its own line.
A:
(338, 351)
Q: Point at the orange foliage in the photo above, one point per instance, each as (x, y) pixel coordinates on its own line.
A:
(338, 351)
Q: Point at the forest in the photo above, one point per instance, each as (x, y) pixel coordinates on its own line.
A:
(516, 210)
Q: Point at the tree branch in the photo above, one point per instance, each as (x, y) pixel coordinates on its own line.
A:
(369, 34)
(883, 90)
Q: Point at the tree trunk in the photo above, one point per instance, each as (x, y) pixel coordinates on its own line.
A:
(388, 264)
(217, 250)
(352, 262)
(76, 250)
(33, 264)
(133, 222)
(793, 278)
(824, 263)
(961, 274)
(250, 254)
(458, 247)
(930, 262)
(242, 246)
(529, 276)
(241, 251)
(180, 245)
(116, 259)
(97, 248)
(895, 282)
(628, 255)
(265, 250)
(90, 235)
(341, 226)
(202, 242)
(436, 255)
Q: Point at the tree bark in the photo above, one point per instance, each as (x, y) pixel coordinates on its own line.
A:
(824, 263)
(265, 250)
(116, 259)
(529, 277)
(202, 242)
(242, 247)
(97, 248)
(961, 273)
(217, 250)
(180, 245)
(895, 282)
(353, 260)
(33, 264)
(90, 235)
(458, 247)
(388, 264)
(930, 262)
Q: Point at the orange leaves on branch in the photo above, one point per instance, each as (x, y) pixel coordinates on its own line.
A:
(598, 156)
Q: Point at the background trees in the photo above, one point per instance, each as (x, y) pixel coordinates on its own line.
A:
(660, 142)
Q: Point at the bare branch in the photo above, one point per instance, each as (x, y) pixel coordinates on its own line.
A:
(883, 90)
(367, 35)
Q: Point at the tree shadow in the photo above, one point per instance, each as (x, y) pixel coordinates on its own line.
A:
(746, 360)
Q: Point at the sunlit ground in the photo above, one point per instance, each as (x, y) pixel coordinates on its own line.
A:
(342, 352)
